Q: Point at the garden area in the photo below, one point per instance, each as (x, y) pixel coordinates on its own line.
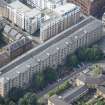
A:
(97, 101)
(89, 55)
(92, 101)
(60, 89)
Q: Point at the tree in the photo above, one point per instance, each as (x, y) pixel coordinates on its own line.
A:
(72, 61)
(94, 54)
(60, 70)
(6, 101)
(28, 99)
(97, 70)
(2, 101)
(15, 93)
(50, 75)
(100, 102)
(81, 54)
(33, 99)
(89, 54)
(12, 103)
(23, 101)
(61, 88)
(38, 80)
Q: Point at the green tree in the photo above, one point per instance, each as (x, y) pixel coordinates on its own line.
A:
(96, 70)
(2, 101)
(72, 61)
(15, 93)
(50, 75)
(89, 54)
(6, 101)
(81, 54)
(23, 101)
(61, 88)
(39, 80)
(12, 103)
(94, 54)
(28, 99)
(100, 102)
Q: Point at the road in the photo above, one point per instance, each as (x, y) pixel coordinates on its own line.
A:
(50, 87)
(68, 77)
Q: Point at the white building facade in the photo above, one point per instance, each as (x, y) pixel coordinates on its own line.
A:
(43, 4)
(66, 16)
(24, 17)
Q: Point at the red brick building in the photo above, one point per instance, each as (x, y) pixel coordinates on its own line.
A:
(90, 7)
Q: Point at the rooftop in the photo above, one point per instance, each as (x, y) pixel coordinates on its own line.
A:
(56, 100)
(33, 12)
(86, 78)
(19, 6)
(17, 44)
(69, 96)
(101, 88)
(11, 32)
(69, 7)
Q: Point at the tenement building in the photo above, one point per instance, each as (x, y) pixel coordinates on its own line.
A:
(19, 72)
(88, 7)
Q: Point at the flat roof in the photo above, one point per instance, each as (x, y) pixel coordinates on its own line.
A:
(33, 12)
(86, 78)
(65, 8)
(73, 94)
(19, 6)
(56, 100)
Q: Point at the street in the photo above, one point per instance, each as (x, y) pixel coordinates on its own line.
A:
(68, 77)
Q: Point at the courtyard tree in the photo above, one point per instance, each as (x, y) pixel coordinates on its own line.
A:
(50, 75)
(72, 61)
(89, 54)
(81, 54)
(39, 80)
(28, 99)
(15, 93)
(12, 103)
(96, 70)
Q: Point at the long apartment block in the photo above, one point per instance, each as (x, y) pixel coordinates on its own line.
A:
(53, 52)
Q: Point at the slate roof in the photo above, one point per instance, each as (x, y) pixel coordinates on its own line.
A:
(12, 33)
(17, 44)
(90, 79)
(57, 101)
